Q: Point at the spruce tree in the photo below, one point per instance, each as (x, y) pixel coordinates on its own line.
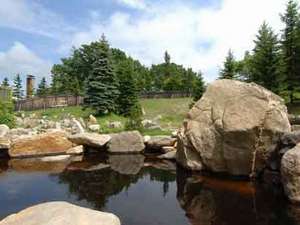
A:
(291, 47)
(128, 94)
(42, 88)
(5, 82)
(229, 68)
(17, 87)
(101, 87)
(199, 87)
(265, 60)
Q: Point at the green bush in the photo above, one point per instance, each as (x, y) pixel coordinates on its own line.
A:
(134, 121)
(7, 113)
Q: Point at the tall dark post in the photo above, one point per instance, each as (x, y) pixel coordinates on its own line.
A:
(29, 86)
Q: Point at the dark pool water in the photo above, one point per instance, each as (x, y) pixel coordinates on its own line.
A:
(141, 191)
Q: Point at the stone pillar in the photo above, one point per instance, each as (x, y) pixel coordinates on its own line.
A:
(29, 86)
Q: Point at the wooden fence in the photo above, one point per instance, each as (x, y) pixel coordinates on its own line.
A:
(5, 93)
(69, 100)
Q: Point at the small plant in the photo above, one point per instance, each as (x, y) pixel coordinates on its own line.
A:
(134, 121)
(6, 112)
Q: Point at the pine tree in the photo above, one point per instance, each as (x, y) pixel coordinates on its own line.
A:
(101, 87)
(265, 59)
(5, 82)
(167, 58)
(199, 87)
(42, 88)
(291, 47)
(128, 94)
(229, 68)
(17, 87)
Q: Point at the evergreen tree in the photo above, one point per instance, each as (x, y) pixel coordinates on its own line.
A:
(229, 68)
(265, 60)
(101, 87)
(167, 58)
(199, 88)
(291, 47)
(17, 87)
(243, 68)
(42, 88)
(128, 94)
(5, 82)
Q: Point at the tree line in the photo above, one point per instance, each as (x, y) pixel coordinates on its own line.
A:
(274, 62)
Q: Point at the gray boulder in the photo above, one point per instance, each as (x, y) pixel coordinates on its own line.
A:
(290, 174)
(126, 142)
(233, 129)
(60, 213)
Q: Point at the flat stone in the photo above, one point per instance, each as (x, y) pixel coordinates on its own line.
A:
(77, 150)
(55, 158)
(167, 149)
(90, 139)
(4, 143)
(54, 143)
(60, 213)
(94, 127)
(169, 155)
(158, 142)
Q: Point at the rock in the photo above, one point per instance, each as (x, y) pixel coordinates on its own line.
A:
(4, 129)
(158, 142)
(290, 139)
(295, 128)
(19, 133)
(92, 120)
(4, 143)
(126, 142)
(30, 122)
(94, 128)
(148, 124)
(170, 155)
(60, 213)
(175, 134)
(76, 127)
(290, 174)
(126, 164)
(114, 125)
(90, 139)
(232, 129)
(167, 149)
(55, 143)
(146, 139)
(81, 121)
(294, 119)
(77, 150)
(55, 158)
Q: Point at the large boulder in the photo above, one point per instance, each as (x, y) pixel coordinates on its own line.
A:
(92, 140)
(126, 142)
(60, 213)
(54, 143)
(232, 129)
(290, 173)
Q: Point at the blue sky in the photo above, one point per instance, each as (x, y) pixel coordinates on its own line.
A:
(35, 34)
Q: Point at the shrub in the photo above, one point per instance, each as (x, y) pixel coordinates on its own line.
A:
(6, 113)
(134, 121)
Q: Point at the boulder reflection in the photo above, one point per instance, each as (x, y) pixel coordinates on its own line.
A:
(210, 201)
(97, 185)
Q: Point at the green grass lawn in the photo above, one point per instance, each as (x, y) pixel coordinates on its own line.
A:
(169, 113)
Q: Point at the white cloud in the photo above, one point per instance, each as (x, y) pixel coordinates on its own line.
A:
(196, 37)
(20, 59)
(31, 17)
(138, 4)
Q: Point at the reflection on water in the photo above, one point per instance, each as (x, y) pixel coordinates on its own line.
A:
(141, 191)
